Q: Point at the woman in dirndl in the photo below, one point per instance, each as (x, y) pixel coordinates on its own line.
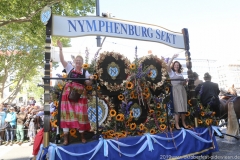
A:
(178, 90)
(74, 113)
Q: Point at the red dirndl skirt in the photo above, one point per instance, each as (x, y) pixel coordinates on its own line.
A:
(74, 114)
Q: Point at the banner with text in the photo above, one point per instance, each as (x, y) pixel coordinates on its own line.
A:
(90, 26)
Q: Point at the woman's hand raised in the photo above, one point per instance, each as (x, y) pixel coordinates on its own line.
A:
(59, 43)
(175, 56)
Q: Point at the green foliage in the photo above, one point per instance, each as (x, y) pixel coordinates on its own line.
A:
(22, 39)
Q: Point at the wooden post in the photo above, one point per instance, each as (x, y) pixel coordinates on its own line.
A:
(47, 73)
(191, 86)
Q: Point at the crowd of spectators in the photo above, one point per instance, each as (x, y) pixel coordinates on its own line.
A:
(19, 124)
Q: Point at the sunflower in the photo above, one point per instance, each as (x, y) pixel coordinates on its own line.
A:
(127, 123)
(158, 105)
(201, 107)
(210, 121)
(120, 97)
(73, 132)
(54, 113)
(64, 75)
(187, 114)
(207, 122)
(165, 114)
(130, 119)
(189, 102)
(89, 88)
(200, 121)
(132, 95)
(213, 113)
(53, 123)
(113, 113)
(158, 113)
(162, 120)
(60, 86)
(131, 114)
(118, 117)
(85, 66)
(162, 127)
(146, 90)
(151, 111)
(167, 89)
(95, 77)
(132, 66)
(56, 103)
(141, 126)
(133, 126)
(129, 85)
(122, 117)
(202, 113)
(98, 88)
(124, 133)
(152, 131)
(146, 95)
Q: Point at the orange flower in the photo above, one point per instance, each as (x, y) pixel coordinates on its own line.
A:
(146, 90)
(146, 95)
(187, 114)
(54, 123)
(167, 89)
(162, 120)
(85, 66)
(149, 74)
(118, 117)
(98, 88)
(72, 132)
(202, 113)
(158, 113)
(133, 126)
(56, 103)
(129, 85)
(162, 127)
(95, 76)
(151, 111)
(189, 102)
(141, 126)
(113, 113)
(89, 88)
(120, 97)
(158, 105)
(152, 131)
(200, 121)
(132, 66)
(207, 122)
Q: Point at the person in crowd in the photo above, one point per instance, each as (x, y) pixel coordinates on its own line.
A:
(197, 81)
(31, 126)
(11, 119)
(32, 101)
(178, 90)
(209, 92)
(74, 114)
(2, 122)
(21, 116)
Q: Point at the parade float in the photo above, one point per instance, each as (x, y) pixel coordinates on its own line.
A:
(129, 104)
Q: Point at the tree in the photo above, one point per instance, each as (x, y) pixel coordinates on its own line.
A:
(22, 38)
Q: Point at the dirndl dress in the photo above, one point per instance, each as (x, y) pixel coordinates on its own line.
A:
(179, 93)
(74, 114)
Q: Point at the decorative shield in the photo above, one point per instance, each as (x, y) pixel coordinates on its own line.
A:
(158, 69)
(102, 111)
(112, 69)
(140, 112)
(137, 111)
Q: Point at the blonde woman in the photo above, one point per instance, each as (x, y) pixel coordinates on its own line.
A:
(74, 114)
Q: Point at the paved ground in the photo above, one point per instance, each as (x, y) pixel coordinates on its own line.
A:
(227, 150)
(16, 152)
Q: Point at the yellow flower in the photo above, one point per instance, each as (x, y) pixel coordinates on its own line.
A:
(189, 102)
(162, 127)
(120, 97)
(152, 131)
(98, 87)
(146, 95)
(146, 90)
(112, 113)
(56, 103)
(141, 126)
(158, 113)
(199, 121)
(72, 132)
(54, 123)
(167, 89)
(149, 74)
(158, 105)
(132, 66)
(129, 85)
(60, 86)
(151, 111)
(162, 120)
(133, 126)
(64, 75)
(202, 113)
(89, 88)
(187, 114)
(95, 76)
(207, 122)
(85, 66)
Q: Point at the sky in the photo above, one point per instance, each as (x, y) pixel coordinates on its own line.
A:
(213, 26)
